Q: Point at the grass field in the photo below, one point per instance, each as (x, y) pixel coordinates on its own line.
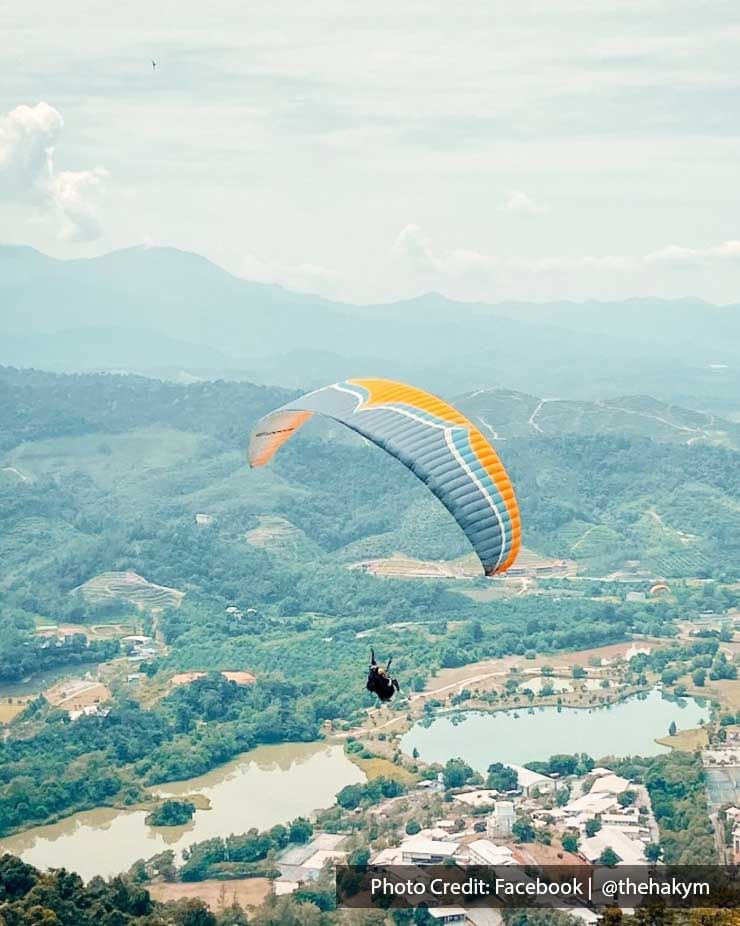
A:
(109, 459)
(382, 768)
(686, 740)
(248, 892)
(10, 709)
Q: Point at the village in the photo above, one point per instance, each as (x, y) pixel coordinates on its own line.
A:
(544, 820)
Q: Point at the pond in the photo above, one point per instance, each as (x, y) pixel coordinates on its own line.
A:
(628, 727)
(269, 785)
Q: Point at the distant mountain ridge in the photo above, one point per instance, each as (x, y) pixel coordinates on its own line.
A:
(172, 313)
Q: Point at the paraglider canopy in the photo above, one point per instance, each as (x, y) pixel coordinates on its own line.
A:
(433, 439)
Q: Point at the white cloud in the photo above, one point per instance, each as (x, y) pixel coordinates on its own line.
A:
(414, 246)
(673, 254)
(304, 276)
(523, 204)
(74, 194)
(28, 137)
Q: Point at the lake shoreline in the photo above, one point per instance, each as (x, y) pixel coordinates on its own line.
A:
(260, 788)
(527, 735)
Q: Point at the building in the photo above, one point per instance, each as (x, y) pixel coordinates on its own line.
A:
(629, 817)
(590, 805)
(485, 852)
(479, 797)
(531, 783)
(448, 915)
(610, 784)
(423, 851)
(92, 710)
(299, 864)
(500, 822)
(630, 851)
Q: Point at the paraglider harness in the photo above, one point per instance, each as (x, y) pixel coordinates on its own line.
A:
(378, 680)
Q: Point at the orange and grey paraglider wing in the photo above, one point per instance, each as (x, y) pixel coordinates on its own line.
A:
(433, 439)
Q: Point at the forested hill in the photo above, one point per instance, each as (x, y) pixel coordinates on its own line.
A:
(102, 472)
(36, 405)
(161, 311)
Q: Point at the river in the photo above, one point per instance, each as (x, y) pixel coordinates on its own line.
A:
(269, 785)
(628, 727)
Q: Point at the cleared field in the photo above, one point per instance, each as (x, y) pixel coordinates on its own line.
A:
(382, 768)
(686, 740)
(404, 567)
(130, 588)
(74, 694)
(528, 564)
(280, 536)
(109, 459)
(247, 892)
(726, 691)
(489, 670)
(9, 710)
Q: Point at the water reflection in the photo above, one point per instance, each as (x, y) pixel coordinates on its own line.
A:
(627, 727)
(269, 785)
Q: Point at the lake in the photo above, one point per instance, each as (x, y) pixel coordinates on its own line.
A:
(628, 727)
(269, 785)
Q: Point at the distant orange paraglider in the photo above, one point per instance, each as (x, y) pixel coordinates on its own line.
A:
(660, 588)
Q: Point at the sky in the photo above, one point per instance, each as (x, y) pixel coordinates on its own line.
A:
(504, 149)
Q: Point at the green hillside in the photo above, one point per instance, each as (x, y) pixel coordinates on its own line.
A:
(107, 473)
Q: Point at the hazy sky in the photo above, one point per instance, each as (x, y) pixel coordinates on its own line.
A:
(496, 149)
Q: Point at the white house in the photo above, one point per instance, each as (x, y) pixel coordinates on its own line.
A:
(422, 851)
(531, 782)
(485, 852)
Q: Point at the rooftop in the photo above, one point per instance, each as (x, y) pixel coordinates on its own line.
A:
(591, 803)
(491, 853)
(527, 778)
(630, 851)
(423, 846)
(612, 784)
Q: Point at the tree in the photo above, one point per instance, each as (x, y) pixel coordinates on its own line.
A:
(578, 672)
(653, 851)
(593, 826)
(171, 813)
(501, 777)
(609, 857)
(413, 827)
(522, 830)
(672, 728)
(699, 677)
(569, 842)
(300, 830)
(627, 798)
(456, 773)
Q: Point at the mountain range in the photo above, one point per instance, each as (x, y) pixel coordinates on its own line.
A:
(176, 315)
